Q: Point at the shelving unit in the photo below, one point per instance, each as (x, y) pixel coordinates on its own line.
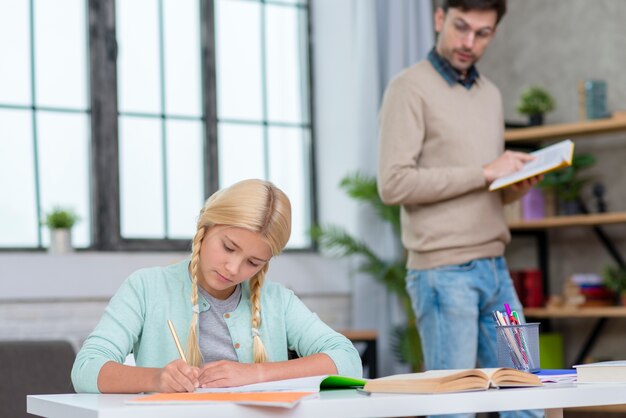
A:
(594, 219)
(539, 228)
(536, 134)
(595, 312)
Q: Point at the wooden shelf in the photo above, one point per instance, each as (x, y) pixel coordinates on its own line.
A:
(569, 221)
(591, 312)
(566, 130)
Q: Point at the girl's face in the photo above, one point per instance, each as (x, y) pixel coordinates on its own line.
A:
(229, 256)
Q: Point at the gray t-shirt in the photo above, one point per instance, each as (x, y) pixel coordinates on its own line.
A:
(215, 341)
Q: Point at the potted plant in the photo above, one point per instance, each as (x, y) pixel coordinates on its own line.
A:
(567, 183)
(60, 222)
(337, 242)
(615, 279)
(535, 102)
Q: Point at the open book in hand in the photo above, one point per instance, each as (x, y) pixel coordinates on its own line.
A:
(547, 159)
(439, 381)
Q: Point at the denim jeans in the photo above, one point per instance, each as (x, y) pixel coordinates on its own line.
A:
(453, 306)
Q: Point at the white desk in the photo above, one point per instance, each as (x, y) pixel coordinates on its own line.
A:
(341, 403)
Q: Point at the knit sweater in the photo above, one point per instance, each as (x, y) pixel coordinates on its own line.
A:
(434, 141)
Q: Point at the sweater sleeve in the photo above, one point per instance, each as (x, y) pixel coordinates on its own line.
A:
(401, 140)
(307, 334)
(113, 338)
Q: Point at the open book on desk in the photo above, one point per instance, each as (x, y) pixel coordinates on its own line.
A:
(280, 393)
(547, 159)
(300, 384)
(441, 381)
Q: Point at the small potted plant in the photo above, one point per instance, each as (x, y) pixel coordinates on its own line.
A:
(535, 102)
(615, 279)
(60, 222)
(567, 183)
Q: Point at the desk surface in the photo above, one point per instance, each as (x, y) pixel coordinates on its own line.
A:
(342, 403)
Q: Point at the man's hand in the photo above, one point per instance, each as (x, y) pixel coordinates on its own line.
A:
(509, 162)
(177, 376)
(225, 373)
(522, 187)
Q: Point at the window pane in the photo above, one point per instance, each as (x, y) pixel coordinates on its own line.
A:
(286, 67)
(300, 2)
(238, 56)
(289, 169)
(241, 153)
(181, 33)
(15, 47)
(141, 178)
(138, 56)
(63, 168)
(18, 214)
(61, 53)
(185, 176)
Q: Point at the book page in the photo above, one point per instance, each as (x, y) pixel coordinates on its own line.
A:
(300, 384)
(513, 378)
(546, 159)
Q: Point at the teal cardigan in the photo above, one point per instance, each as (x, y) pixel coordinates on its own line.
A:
(136, 321)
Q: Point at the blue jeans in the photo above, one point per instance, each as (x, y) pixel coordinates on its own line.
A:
(453, 306)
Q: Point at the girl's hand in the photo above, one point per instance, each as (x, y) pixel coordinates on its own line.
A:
(177, 376)
(225, 373)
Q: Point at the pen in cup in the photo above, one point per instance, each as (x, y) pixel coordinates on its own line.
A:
(176, 341)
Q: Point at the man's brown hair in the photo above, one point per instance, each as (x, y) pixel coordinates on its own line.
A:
(466, 5)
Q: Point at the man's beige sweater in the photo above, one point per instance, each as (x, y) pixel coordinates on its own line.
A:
(434, 141)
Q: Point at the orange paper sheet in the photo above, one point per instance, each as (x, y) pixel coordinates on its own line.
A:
(284, 399)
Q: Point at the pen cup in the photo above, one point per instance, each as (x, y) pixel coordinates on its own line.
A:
(518, 346)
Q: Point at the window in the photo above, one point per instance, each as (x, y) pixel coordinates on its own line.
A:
(263, 117)
(185, 97)
(44, 118)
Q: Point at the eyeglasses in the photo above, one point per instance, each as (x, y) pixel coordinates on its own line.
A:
(463, 29)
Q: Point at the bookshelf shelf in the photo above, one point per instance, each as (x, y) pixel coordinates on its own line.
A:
(591, 312)
(570, 221)
(565, 130)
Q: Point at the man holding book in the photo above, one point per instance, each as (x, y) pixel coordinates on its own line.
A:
(441, 146)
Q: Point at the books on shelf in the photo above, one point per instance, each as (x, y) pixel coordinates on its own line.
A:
(440, 381)
(529, 287)
(602, 372)
(547, 159)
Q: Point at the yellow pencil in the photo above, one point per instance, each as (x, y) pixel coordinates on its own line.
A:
(180, 349)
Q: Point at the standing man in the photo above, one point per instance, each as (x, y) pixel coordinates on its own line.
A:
(441, 145)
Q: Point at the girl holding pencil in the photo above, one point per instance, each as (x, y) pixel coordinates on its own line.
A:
(238, 327)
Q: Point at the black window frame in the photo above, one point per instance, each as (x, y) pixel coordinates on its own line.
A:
(105, 190)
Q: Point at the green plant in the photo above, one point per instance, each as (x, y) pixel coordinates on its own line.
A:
(615, 279)
(337, 242)
(567, 182)
(535, 100)
(59, 218)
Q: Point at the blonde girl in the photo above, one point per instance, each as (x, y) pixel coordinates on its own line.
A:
(238, 326)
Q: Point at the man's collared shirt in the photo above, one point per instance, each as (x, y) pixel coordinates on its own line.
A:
(450, 74)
